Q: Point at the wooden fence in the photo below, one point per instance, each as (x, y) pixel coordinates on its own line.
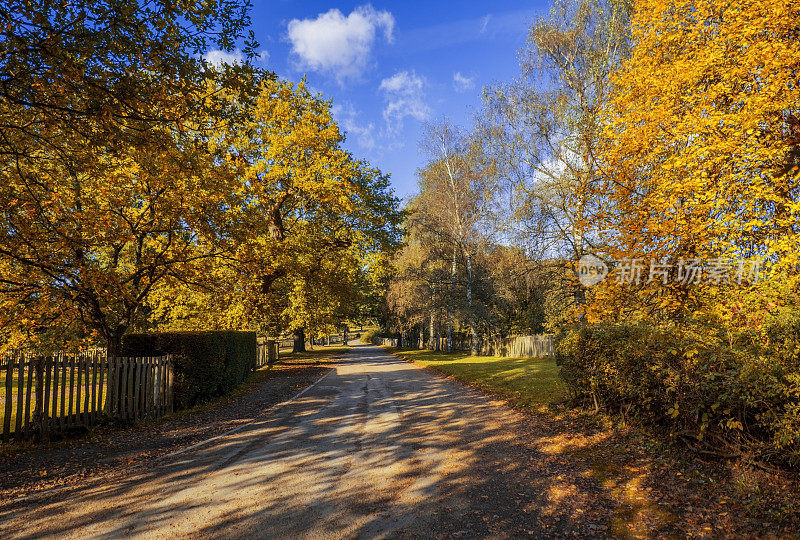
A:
(332, 339)
(537, 346)
(267, 353)
(45, 395)
(540, 345)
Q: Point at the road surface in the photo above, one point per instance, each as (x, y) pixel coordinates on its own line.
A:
(377, 448)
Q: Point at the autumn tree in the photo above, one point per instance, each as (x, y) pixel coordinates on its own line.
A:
(544, 130)
(305, 216)
(105, 186)
(456, 203)
(702, 154)
(419, 291)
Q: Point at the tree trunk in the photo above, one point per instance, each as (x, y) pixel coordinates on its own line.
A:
(473, 331)
(421, 344)
(299, 340)
(450, 304)
(432, 332)
(432, 323)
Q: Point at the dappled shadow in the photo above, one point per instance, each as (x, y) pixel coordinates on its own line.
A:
(378, 447)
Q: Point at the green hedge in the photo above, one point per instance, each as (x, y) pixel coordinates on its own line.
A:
(207, 364)
(741, 400)
(372, 337)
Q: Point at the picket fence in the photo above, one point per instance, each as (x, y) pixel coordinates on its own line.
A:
(267, 353)
(537, 346)
(47, 395)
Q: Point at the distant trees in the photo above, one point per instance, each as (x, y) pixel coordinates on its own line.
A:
(510, 207)
(456, 193)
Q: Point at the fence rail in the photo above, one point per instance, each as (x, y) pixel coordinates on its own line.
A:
(45, 395)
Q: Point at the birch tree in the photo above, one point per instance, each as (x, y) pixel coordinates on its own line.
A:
(456, 192)
(544, 129)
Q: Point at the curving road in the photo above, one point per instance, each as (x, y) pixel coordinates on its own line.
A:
(378, 447)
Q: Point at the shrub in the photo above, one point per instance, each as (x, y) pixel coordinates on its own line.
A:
(372, 337)
(745, 398)
(207, 364)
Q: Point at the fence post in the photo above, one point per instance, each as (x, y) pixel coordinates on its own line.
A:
(28, 395)
(20, 397)
(170, 395)
(45, 408)
(38, 407)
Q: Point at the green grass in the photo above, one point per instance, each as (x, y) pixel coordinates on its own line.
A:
(531, 384)
(54, 403)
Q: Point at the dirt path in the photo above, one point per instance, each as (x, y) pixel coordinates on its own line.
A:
(377, 448)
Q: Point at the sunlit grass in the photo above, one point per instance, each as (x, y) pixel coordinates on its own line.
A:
(60, 391)
(527, 383)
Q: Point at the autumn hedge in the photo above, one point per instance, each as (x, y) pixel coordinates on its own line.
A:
(742, 400)
(207, 364)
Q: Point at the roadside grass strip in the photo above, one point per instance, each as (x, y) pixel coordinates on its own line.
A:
(531, 384)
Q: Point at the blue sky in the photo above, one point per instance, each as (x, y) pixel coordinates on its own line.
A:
(389, 67)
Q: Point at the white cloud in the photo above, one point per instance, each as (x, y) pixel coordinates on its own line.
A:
(347, 118)
(262, 57)
(338, 45)
(485, 23)
(462, 83)
(404, 93)
(216, 57)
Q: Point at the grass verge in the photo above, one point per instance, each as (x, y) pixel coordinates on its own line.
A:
(531, 384)
(649, 487)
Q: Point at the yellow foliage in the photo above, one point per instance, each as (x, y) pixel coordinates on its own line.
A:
(702, 139)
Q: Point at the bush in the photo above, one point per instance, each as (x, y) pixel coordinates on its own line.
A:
(207, 364)
(373, 337)
(745, 398)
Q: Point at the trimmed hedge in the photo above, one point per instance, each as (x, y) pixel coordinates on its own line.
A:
(207, 364)
(733, 400)
(372, 337)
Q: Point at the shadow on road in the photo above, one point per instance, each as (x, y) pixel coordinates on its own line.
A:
(377, 447)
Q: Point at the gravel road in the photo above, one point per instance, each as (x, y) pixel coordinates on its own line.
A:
(377, 448)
